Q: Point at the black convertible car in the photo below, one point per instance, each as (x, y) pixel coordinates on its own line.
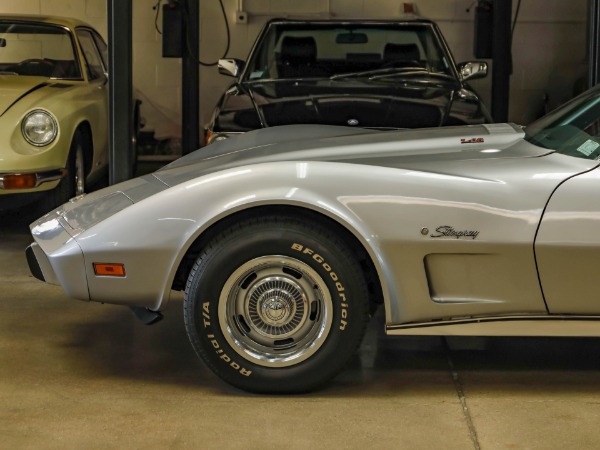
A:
(372, 74)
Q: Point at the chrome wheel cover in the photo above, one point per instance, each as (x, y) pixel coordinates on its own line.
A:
(275, 311)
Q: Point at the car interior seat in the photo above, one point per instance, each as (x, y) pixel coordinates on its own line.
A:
(297, 57)
(401, 53)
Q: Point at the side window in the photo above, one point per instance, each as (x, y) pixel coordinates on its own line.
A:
(93, 59)
(102, 47)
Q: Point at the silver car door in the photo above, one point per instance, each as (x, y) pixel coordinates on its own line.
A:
(568, 246)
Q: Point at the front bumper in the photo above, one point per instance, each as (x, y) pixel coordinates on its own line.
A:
(12, 182)
(41, 182)
(56, 258)
(89, 229)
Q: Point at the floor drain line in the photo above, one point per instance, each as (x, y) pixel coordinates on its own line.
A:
(461, 396)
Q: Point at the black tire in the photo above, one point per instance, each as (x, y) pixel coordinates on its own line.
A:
(73, 183)
(276, 304)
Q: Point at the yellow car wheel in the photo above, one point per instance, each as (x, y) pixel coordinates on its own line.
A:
(73, 183)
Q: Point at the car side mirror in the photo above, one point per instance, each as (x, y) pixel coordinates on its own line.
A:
(231, 67)
(472, 70)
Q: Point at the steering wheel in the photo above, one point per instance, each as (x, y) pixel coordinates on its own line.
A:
(36, 61)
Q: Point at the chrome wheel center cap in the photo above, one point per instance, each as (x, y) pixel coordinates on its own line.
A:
(276, 307)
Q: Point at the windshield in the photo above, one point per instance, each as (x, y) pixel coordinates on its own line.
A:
(573, 129)
(31, 49)
(288, 51)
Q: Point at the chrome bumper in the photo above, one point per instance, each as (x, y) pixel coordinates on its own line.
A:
(38, 178)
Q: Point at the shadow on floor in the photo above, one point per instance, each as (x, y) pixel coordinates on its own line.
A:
(115, 344)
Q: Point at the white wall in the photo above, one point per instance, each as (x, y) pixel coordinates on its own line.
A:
(548, 48)
(94, 11)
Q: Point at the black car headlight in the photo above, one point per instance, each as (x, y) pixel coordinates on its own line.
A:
(39, 128)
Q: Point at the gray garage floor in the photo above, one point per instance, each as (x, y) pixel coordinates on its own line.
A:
(79, 375)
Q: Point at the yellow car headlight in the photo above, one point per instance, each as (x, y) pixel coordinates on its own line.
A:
(39, 128)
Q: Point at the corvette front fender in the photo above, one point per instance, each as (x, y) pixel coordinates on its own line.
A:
(151, 237)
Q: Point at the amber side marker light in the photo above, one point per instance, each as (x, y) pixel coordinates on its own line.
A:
(109, 270)
(24, 181)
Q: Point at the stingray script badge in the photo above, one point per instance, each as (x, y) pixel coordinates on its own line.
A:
(450, 232)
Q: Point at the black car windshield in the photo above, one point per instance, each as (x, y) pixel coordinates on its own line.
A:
(573, 129)
(320, 50)
(34, 49)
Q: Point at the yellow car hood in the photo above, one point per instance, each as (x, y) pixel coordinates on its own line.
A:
(14, 87)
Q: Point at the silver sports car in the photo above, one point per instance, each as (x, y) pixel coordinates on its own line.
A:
(286, 240)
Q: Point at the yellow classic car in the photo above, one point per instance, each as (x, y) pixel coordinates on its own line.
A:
(53, 109)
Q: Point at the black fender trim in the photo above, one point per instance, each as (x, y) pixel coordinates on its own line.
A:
(146, 315)
(34, 266)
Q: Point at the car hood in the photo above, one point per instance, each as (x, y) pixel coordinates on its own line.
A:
(422, 149)
(410, 103)
(13, 88)
(439, 152)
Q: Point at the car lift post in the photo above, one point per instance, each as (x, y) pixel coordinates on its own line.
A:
(502, 63)
(593, 42)
(120, 103)
(190, 79)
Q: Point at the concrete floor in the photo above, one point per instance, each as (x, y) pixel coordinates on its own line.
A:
(81, 375)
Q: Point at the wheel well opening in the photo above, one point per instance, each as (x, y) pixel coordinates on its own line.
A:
(85, 131)
(365, 261)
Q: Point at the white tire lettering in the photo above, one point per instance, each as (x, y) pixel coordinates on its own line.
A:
(206, 320)
(218, 350)
(334, 277)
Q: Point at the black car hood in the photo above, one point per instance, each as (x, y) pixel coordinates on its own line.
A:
(355, 102)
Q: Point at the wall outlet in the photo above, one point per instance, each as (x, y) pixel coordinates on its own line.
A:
(241, 17)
